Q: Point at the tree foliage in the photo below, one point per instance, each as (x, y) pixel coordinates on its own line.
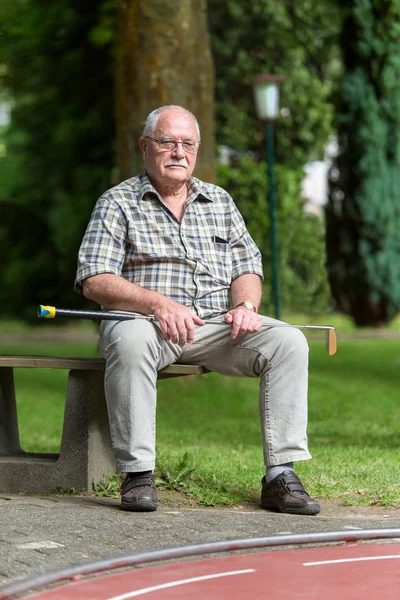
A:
(293, 39)
(303, 281)
(363, 215)
(296, 40)
(60, 77)
(60, 60)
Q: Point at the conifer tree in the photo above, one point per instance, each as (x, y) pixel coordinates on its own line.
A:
(363, 214)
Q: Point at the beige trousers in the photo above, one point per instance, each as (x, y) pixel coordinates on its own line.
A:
(135, 350)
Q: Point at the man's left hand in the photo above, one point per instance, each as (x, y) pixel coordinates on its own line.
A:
(243, 320)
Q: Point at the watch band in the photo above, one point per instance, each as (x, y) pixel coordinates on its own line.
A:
(247, 305)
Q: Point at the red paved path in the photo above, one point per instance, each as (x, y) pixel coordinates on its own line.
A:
(354, 571)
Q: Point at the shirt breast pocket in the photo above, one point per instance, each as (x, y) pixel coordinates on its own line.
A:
(221, 260)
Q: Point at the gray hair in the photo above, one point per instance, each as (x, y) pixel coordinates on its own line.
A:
(150, 125)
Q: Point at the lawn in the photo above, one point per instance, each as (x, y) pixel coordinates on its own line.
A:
(208, 432)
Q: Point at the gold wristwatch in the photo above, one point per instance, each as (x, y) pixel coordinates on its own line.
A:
(247, 305)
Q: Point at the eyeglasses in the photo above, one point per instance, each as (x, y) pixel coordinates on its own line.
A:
(188, 145)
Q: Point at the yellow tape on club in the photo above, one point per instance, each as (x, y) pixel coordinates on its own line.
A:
(46, 312)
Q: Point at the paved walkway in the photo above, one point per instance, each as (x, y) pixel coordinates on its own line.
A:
(38, 534)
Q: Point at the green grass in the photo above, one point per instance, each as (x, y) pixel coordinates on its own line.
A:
(208, 431)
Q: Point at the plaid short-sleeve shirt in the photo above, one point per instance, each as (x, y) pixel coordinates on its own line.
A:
(132, 233)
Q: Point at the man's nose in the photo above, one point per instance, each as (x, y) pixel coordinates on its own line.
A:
(178, 150)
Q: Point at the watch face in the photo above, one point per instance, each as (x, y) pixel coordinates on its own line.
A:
(248, 305)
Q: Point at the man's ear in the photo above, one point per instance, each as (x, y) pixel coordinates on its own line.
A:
(143, 146)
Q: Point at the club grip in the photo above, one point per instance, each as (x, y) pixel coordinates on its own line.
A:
(46, 312)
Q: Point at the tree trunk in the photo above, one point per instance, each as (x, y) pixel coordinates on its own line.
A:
(163, 57)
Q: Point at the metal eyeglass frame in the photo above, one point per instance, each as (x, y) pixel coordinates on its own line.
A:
(175, 143)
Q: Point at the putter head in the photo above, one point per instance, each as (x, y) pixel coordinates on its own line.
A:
(331, 342)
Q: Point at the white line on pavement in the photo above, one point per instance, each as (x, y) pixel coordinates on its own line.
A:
(170, 584)
(348, 560)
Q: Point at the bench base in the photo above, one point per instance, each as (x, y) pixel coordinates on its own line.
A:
(85, 454)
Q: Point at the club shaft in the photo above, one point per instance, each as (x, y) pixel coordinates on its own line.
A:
(50, 312)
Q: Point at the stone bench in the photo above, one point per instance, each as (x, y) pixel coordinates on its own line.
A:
(85, 454)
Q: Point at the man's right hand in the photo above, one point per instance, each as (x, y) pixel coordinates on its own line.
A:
(177, 322)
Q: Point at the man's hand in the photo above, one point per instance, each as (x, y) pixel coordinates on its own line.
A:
(177, 322)
(243, 320)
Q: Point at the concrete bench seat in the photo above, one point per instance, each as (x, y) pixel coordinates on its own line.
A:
(85, 454)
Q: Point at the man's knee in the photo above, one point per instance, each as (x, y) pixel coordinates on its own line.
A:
(130, 341)
(289, 340)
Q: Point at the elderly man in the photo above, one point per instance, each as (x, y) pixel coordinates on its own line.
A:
(167, 244)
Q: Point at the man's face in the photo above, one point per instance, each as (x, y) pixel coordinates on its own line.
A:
(170, 167)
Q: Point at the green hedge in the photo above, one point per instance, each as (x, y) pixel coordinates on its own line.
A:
(303, 277)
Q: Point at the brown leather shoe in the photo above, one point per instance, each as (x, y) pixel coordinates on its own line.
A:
(138, 493)
(286, 494)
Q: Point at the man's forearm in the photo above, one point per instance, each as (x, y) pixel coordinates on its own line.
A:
(116, 293)
(246, 288)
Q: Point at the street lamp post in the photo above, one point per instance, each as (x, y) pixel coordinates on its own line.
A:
(266, 96)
